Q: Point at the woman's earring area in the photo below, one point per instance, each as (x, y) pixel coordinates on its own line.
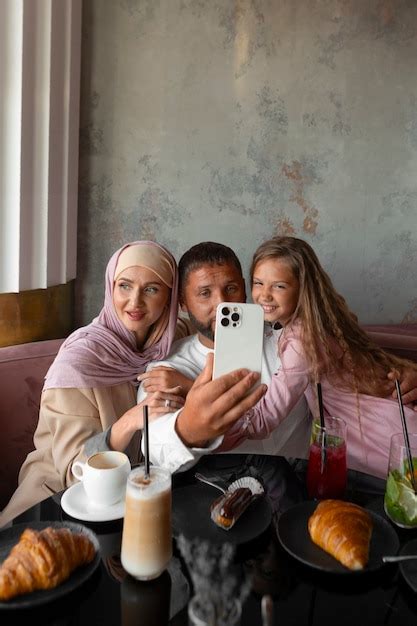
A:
(167, 403)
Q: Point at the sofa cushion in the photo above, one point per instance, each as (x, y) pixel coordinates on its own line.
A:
(400, 339)
(22, 372)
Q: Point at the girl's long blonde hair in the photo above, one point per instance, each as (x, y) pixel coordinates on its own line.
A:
(327, 322)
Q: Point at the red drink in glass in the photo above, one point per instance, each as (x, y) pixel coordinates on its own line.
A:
(327, 473)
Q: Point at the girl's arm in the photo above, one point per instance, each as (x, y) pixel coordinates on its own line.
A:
(284, 391)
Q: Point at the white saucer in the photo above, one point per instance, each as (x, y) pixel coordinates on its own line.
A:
(74, 502)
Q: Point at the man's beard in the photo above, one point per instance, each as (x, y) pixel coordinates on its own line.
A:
(206, 331)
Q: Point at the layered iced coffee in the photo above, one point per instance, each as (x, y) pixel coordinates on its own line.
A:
(147, 535)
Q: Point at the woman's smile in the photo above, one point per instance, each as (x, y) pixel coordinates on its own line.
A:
(135, 315)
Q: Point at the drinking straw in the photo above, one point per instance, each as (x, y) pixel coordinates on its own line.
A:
(323, 427)
(146, 439)
(321, 410)
(406, 437)
(267, 610)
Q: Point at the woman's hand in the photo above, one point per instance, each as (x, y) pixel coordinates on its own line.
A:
(163, 378)
(159, 403)
(162, 402)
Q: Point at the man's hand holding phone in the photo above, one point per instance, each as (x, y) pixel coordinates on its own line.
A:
(212, 406)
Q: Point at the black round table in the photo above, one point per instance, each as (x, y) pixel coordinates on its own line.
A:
(302, 595)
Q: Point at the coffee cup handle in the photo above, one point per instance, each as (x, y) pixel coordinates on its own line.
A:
(78, 469)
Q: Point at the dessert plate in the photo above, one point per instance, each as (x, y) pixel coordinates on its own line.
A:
(10, 536)
(191, 516)
(295, 539)
(74, 502)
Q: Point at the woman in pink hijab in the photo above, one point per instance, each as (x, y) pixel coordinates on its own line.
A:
(89, 398)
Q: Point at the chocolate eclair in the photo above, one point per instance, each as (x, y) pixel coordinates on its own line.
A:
(227, 509)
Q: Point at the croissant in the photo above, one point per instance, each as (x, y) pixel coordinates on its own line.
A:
(343, 530)
(43, 560)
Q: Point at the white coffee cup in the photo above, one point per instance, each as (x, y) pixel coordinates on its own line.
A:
(104, 476)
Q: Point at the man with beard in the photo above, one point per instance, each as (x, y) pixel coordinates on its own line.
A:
(210, 273)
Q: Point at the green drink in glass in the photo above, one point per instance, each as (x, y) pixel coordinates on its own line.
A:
(400, 500)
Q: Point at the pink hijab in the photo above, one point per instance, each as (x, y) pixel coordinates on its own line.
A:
(104, 353)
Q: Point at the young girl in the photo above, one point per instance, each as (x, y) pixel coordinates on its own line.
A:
(321, 341)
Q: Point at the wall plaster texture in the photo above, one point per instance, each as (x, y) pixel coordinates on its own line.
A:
(234, 120)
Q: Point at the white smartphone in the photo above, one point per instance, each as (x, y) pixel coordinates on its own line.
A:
(238, 338)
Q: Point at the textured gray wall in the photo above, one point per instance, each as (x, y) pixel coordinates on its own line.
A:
(234, 120)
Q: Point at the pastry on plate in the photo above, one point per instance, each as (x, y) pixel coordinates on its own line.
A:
(43, 560)
(227, 509)
(344, 530)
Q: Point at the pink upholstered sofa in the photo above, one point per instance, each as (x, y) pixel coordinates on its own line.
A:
(22, 370)
(401, 339)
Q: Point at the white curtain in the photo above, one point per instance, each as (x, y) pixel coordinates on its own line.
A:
(40, 46)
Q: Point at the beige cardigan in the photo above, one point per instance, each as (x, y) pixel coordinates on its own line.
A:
(67, 418)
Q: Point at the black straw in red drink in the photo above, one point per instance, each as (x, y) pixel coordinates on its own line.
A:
(322, 426)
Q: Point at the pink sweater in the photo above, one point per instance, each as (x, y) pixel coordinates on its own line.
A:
(367, 451)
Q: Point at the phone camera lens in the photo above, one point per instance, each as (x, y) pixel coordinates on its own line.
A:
(225, 321)
(225, 311)
(235, 317)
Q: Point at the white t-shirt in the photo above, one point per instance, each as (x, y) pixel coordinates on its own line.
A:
(188, 356)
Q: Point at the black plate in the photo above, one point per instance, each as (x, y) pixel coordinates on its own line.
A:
(10, 536)
(191, 516)
(295, 539)
(409, 568)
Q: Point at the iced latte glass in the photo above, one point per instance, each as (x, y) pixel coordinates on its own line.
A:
(147, 534)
